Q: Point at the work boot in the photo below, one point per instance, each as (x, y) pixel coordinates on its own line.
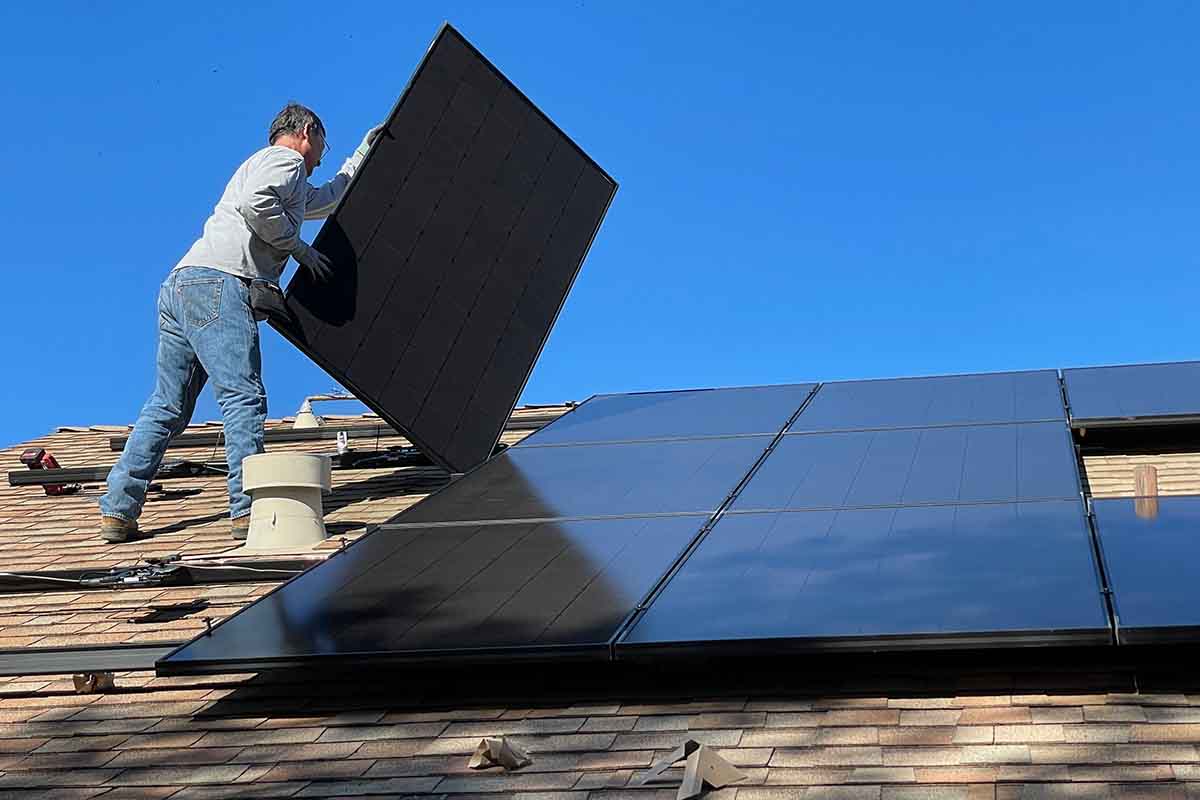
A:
(241, 527)
(116, 530)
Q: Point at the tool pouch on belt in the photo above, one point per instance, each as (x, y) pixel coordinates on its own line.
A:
(266, 300)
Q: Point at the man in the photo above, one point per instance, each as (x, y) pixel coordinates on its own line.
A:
(207, 327)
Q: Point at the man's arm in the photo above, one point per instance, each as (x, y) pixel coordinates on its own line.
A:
(321, 201)
(271, 206)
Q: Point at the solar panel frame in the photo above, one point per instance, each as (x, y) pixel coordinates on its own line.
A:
(469, 411)
(1094, 394)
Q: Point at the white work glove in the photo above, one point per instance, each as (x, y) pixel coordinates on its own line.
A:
(367, 141)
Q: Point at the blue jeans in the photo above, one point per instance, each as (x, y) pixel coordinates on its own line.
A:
(205, 329)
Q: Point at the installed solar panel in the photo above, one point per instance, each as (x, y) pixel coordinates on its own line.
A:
(933, 576)
(946, 400)
(986, 463)
(454, 247)
(470, 591)
(664, 415)
(1152, 553)
(1137, 391)
(673, 477)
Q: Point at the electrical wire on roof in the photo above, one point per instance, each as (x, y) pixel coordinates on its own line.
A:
(191, 565)
(39, 578)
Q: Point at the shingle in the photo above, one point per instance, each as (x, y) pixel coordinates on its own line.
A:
(831, 736)
(1073, 753)
(75, 744)
(165, 776)
(956, 774)
(769, 793)
(921, 756)
(728, 719)
(1050, 715)
(1097, 733)
(86, 759)
(662, 722)
(608, 724)
(668, 741)
(360, 787)
(491, 728)
(363, 733)
(925, 793)
(795, 719)
(1009, 734)
(546, 781)
(1122, 773)
(781, 737)
(1171, 715)
(1000, 715)
(1152, 753)
(174, 757)
(995, 754)
(248, 792)
(872, 716)
(273, 753)
(934, 717)
(1186, 732)
(882, 775)
(255, 737)
(840, 793)
(1114, 714)
(827, 756)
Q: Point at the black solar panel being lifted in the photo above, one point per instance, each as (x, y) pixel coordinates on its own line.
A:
(455, 247)
(1116, 395)
(1152, 553)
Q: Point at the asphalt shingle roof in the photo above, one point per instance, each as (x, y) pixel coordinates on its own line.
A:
(996, 731)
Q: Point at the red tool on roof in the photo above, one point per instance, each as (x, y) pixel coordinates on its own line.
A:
(40, 458)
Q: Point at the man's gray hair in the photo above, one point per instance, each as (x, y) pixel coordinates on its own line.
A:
(293, 119)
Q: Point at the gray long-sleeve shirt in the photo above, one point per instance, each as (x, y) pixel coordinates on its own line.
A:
(256, 224)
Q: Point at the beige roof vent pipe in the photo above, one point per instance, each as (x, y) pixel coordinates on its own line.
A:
(285, 499)
(305, 418)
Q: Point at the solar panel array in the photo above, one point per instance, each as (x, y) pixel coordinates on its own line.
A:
(718, 521)
(455, 247)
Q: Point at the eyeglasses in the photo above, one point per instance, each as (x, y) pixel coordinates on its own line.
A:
(324, 143)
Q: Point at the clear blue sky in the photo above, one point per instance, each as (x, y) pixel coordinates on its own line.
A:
(808, 190)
